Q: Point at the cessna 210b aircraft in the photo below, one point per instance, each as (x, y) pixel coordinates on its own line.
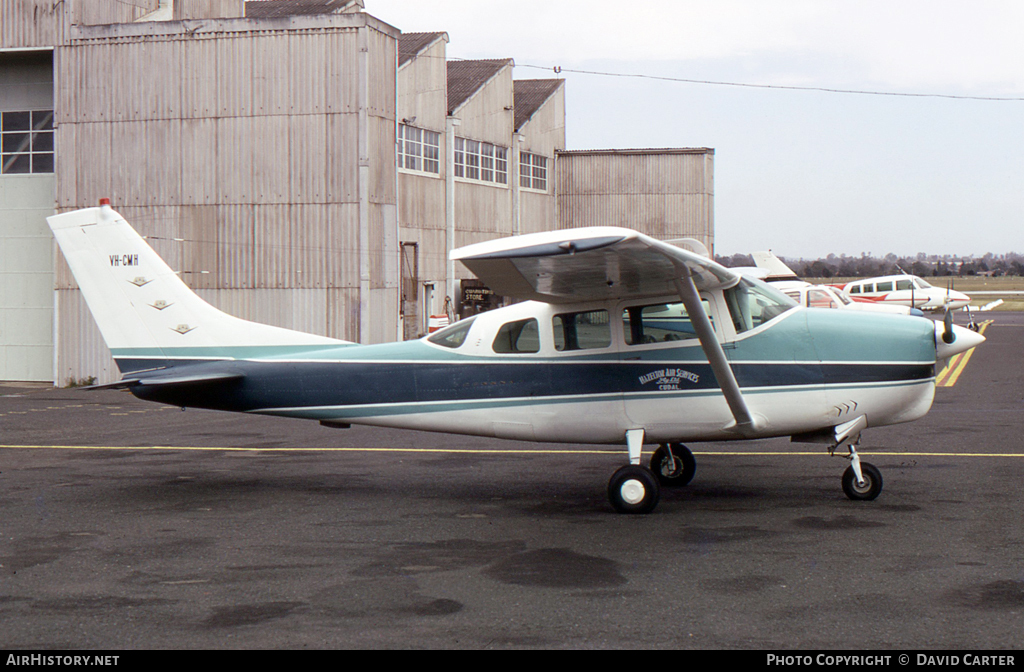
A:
(623, 339)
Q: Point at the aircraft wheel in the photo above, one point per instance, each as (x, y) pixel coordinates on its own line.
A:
(673, 464)
(872, 483)
(633, 489)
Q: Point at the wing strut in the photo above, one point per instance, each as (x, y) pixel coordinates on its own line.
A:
(745, 422)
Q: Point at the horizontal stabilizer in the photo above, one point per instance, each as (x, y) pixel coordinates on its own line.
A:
(163, 381)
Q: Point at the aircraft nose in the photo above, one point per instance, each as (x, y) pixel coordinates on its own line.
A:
(959, 299)
(963, 339)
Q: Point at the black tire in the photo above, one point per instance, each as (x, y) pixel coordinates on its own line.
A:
(872, 483)
(673, 464)
(633, 489)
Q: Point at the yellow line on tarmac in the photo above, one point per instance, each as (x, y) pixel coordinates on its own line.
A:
(512, 451)
(313, 450)
(949, 375)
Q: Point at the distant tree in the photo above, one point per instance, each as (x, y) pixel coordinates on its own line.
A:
(735, 260)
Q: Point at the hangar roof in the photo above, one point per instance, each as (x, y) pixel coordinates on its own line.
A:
(530, 94)
(271, 9)
(411, 44)
(465, 78)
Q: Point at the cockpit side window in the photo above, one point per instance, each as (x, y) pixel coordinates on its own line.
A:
(453, 336)
(904, 284)
(519, 336)
(753, 304)
(582, 331)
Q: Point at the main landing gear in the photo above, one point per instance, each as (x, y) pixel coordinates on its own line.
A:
(637, 489)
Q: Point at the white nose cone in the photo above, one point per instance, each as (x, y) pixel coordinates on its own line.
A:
(957, 300)
(963, 339)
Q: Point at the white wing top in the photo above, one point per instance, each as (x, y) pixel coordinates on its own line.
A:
(589, 264)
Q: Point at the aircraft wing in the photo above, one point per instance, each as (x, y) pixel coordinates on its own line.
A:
(588, 264)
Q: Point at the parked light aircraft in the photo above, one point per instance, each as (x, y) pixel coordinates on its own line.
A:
(623, 339)
(906, 290)
(779, 275)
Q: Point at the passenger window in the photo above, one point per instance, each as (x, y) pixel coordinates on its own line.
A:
(453, 336)
(753, 304)
(658, 323)
(855, 289)
(884, 286)
(521, 336)
(582, 331)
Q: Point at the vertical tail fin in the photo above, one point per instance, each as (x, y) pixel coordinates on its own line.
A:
(143, 309)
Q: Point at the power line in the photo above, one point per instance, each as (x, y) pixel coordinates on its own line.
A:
(559, 70)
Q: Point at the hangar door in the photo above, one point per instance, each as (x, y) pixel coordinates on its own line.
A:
(27, 194)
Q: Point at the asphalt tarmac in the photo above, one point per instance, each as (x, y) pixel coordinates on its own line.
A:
(129, 525)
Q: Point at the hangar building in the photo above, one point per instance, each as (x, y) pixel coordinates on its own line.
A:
(301, 162)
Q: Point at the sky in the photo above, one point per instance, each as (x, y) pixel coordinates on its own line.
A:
(804, 173)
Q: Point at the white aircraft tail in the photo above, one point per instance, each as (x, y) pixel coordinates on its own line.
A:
(777, 269)
(143, 309)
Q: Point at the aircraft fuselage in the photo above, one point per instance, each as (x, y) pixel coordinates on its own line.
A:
(802, 371)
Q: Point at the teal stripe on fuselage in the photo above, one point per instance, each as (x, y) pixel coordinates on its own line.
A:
(799, 336)
(357, 412)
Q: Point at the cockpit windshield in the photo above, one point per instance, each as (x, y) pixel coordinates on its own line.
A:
(753, 303)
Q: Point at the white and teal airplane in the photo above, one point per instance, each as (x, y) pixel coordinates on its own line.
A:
(621, 339)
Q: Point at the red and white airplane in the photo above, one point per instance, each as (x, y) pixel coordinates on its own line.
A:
(906, 290)
(775, 271)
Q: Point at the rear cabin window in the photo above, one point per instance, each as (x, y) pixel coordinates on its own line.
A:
(453, 336)
(582, 331)
(519, 336)
(658, 323)
(855, 289)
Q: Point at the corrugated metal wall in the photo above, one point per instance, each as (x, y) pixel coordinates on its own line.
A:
(422, 100)
(30, 23)
(234, 146)
(208, 9)
(544, 135)
(484, 211)
(663, 193)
